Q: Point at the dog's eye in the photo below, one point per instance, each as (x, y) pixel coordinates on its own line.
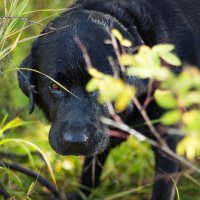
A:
(55, 87)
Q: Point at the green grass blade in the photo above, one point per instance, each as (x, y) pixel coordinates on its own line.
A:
(38, 149)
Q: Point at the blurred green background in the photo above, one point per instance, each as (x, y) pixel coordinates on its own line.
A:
(128, 173)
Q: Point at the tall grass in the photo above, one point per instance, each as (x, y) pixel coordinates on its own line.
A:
(12, 25)
(13, 10)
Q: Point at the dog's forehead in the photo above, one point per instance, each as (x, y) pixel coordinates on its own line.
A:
(54, 51)
(61, 52)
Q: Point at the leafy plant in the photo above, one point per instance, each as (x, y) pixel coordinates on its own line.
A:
(178, 93)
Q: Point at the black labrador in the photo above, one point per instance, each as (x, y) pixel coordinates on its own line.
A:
(76, 127)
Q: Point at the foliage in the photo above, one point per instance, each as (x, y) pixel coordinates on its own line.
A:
(179, 93)
(8, 30)
(110, 89)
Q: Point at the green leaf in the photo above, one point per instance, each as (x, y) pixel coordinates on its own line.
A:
(165, 99)
(190, 98)
(154, 60)
(117, 34)
(95, 73)
(31, 188)
(171, 59)
(171, 117)
(142, 72)
(191, 119)
(189, 146)
(13, 124)
(124, 98)
(127, 60)
(45, 158)
(144, 50)
(93, 85)
(126, 43)
(109, 89)
(163, 48)
(3, 120)
(161, 74)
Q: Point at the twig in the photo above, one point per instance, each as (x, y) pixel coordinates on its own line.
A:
(173, 175)
(4, 193)
(162, 146)
(128, 192)
(93, 171)
(148, 121)
(84, 51)
(117, 52)
(149, 94)
(12, 156)
(23, 19)
(34, 175)
(113, 113)
(126, 128)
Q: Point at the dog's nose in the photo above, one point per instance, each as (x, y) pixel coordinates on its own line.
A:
(76, 135)
(75, 138)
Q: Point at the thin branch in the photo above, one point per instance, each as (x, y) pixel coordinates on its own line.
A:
(85, 52)
(148, 121)
(93, 171)
(113, 113)
(149, 94)
(23, 19)
(13, 156)
(122, 126)
(161, 146)
(118, 54)
(34, 175)
(122, 194)
(4, 193)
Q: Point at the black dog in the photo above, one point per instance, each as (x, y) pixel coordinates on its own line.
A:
(76, 127)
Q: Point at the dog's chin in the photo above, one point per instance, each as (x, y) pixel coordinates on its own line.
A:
(93, 148)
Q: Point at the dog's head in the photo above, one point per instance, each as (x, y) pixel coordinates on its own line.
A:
(75, 116)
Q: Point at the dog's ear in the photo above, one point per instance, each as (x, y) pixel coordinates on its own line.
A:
(26, 81)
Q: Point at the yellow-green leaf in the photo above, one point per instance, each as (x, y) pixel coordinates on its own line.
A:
(142, 72)
(117, 34)
(171, 117)
(127, 60)
(165, 99)
(93, 85)
(154, 60)
(124, 99)
(110, 88)
(171, 59)
(144, 50)
(192, 98)
(191, 119)
(189, 146)
(126, 43)
(163, 48)
(13, 124)
(95, 73)
(161, 74)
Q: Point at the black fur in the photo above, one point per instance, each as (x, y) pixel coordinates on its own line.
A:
(76, 128)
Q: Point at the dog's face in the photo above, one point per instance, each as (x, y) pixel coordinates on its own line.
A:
(75, 117)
